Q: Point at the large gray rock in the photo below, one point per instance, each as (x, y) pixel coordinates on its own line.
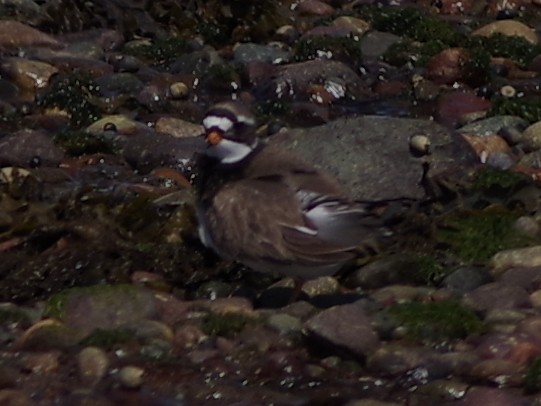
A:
(370, 155)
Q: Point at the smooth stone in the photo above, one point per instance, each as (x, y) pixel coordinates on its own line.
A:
(466, 279)
(497, 295)
(104, 306)
(28, 74)
(520, 257)
(21, 149)
(493, 125)
(510, 28)
(531, 137)
(375, 43)
(370, 155)
(345, 326)
(14, 34)
(490, 396)
(177, 127)
(249, 52)
(284, 323)
(354, 25)
(93, 364)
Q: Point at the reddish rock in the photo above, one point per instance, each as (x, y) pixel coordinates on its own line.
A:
(344, 326)
(497, 295)
(448, 66)
(315, 8)
(14, 34)
(455, 105)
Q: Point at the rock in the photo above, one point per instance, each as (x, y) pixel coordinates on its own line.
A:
(448, 66)
(493, 125)
(249, 52)
(355, 26)
(393, 269)
(377, 154)
(342, 327)
(293, 79)
(490, 396)
(14, 397)
(228, 305)
(528, 278)
(498, 371)
(454, 106)
(520, 257)
(325, 285)
(375, 43)
(510, 28)
(497, 295)
(42, 363)
(394, 359)
(466, 279)
(93, 364)
(14, 34)
(178, 128)
(131, 376)
(531, 137)
(315, 8)
(517, 347)
(23, 147)
(284, 323)
(28, 74)
(102, 307)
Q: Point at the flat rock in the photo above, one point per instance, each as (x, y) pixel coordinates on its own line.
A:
(370, 155)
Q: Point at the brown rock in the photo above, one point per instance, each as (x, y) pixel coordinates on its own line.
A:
(497, 295)
(22, 147)
(314, 7)
(344, 326)
(448, 66)
(14, 34)
(453, 106)
(510, 28)
(28, 74)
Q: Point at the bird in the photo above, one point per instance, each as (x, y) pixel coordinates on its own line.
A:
(264, 207)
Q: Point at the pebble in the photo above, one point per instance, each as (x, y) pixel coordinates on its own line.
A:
(93, 365)
(284, 323)
(131, 376)
(531, 137)
(520, 257)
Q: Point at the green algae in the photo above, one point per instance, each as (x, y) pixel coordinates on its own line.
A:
(476, 235)
(225, 324)
(528, 109)
(56, 304)
(79, 142)
(73, 93)
(161, 53)
(436, 321)
(345, 49)
(532, 379)
(108, 338)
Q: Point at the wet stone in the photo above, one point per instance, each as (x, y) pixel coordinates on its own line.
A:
(93, 364)
(497, 295)
(249, 52)
(466, 279)
(21, 148)
(102, 306)
(346, 327)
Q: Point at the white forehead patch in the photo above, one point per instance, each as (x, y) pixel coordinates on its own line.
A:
(222, 123)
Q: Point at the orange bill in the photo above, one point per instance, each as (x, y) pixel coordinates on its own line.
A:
(214, 137)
